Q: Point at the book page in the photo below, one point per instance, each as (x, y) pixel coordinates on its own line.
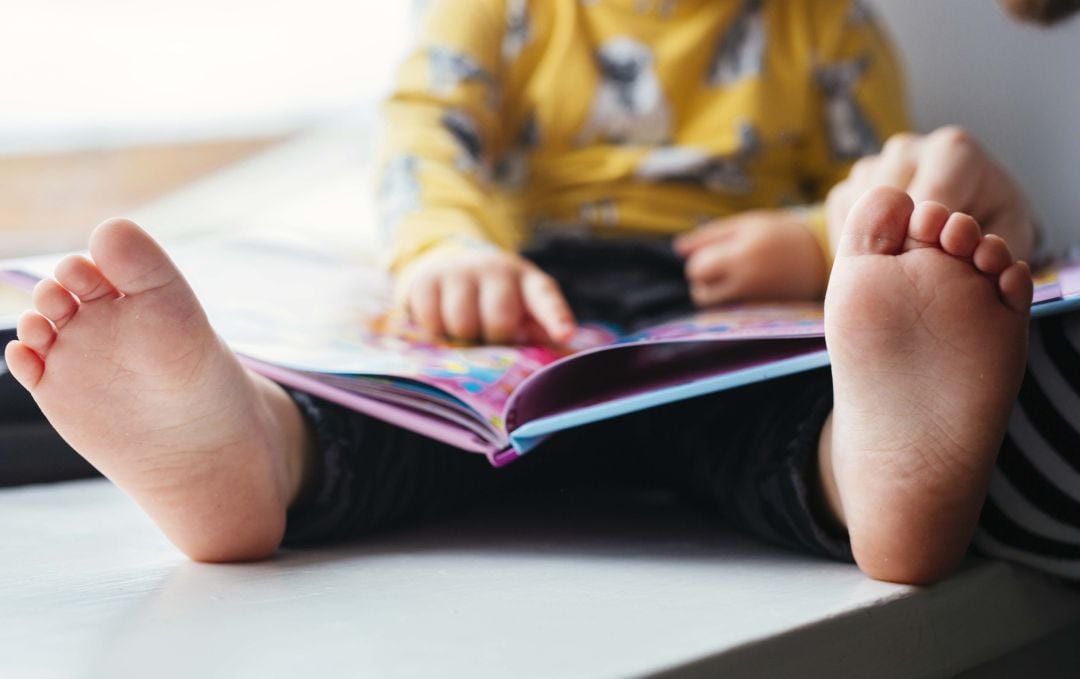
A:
(13, 302)
(748, 321)
(315, 312)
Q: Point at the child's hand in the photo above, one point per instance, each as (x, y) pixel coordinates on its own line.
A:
(757, 255)
(947, 166)
(490, 295)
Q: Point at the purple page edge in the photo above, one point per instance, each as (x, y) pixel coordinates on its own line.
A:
(511, 402)
(21, 280)
(1069, 279)
(402, 417)
(733, 363)
(1048, 293)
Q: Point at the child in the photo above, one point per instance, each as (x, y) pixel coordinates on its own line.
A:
(120, 357)
(623, 119)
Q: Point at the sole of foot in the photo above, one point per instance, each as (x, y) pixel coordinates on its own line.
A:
(123, 362)
(926, 323)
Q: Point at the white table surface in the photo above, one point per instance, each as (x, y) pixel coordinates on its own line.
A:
(557, 586)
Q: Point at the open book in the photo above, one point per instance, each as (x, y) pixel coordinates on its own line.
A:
(322, 324)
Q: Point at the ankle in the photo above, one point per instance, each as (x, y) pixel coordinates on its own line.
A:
(293, 442)
(826, 493)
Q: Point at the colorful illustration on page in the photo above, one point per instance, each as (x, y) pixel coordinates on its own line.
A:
(483, 376)
(315, 312)
(1047, 285)
(751, 321)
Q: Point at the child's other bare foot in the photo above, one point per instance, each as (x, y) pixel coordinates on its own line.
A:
(926, 322)
(120, 357)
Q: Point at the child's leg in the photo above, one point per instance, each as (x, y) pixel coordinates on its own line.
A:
(1032, 511)
(121, 359)
(749, 455)
(927, 323)
(372, 475)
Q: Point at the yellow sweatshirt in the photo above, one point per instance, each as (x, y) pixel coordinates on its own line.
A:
(612, 117)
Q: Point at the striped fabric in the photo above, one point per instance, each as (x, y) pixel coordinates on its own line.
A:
(1032, 512)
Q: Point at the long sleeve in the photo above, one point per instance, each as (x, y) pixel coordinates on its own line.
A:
(442, 127)
(857, 97)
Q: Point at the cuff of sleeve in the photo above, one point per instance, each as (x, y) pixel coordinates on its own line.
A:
(814, 217)
(431, 230)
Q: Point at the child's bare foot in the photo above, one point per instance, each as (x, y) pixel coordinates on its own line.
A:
(926, 322)
(139, 384)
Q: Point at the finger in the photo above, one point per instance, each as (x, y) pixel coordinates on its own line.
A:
(715, 292)
(1013, 223)
(998, 196)
(710, 264)
(500, 308)
(460, 307)
(837, 206)
(951, 170)
(531, 332)
(545, 303)
(709, 273)
(897, 164)
(716, 230)
(425, 305)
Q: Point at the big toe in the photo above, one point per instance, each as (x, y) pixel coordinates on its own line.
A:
(130, 259)
(877, 224)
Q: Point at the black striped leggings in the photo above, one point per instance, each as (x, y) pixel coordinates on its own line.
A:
(1032, 512)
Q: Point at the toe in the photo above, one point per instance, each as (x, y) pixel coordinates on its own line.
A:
(83, 278)
(54, 302)
(36, 332)
(927, 221)
(961, 235)
(992, 255)
(877, 224)
(130, 259)
(1017, 287)
(25, 366)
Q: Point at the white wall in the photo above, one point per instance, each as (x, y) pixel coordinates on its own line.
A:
(92, 73)
(1017, 87)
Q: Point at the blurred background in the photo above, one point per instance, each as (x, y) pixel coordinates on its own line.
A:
(107, 106)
